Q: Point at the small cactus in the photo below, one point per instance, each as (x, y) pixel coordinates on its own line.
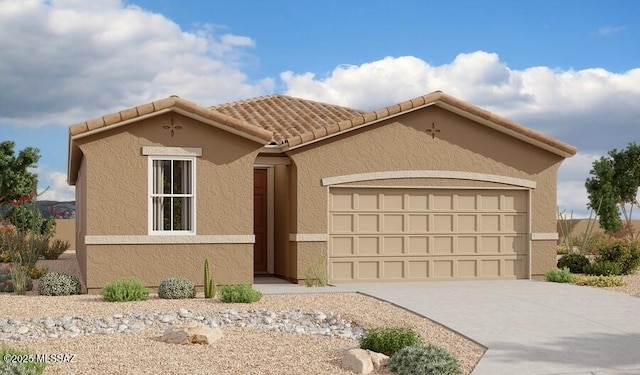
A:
(209, 285)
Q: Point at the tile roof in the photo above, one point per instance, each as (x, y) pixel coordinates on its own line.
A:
(287, 117)
(443, 100)
(173, 102)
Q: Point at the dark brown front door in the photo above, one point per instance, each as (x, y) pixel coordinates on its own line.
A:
(260, 220)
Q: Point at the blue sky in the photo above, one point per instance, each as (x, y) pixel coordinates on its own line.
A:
(570, 69)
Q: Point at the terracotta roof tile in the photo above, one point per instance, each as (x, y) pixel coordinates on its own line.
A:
(287, 117)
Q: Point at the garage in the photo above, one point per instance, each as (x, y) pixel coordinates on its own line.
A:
(413, 234)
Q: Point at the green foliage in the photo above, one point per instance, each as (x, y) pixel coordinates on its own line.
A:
(424, 360)
(613, 187)
(590, 243)
(125, 290)
(623, 252)
(15, 178)
(389, 340)
(209, 284)
(559, 276)
(20, 279)
(176, 288)
(23, 248)
(6, 280)
(27, 218)
(53, 250)
(599, 281)
(12, 368)
(604, 268)
(58, 284)
(574, 261)
(239, 293)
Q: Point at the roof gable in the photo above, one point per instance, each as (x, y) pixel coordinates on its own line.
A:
(444, 101)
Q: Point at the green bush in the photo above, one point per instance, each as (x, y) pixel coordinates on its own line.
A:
(13, 368)
(559, 276)
(58, 284)
(125, 290)
(599, 281)
(429, 360)
(604, 268)
(574, 261)
(176, 288)
(624, 252)
(239, 293)
(389, 340)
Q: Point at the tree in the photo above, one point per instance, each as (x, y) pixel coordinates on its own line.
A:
(613, 189)
(16, 181)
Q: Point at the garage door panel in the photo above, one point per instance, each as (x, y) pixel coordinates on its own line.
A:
(427, 234)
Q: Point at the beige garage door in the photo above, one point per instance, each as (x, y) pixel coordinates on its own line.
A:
(427, 234)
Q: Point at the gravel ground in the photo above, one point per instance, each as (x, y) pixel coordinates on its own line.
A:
(241, 351)
(631, 285)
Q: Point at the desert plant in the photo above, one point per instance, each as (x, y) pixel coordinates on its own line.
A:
(20, 368)
(389, 340)
(574, 261)
(209, 284)
(58, 284)
(599, 281)
(239, 293)
(53, 250)
(176, 288)
(590, 243)
(35, 272)
(603, 268)
(626, 253)
(125, 290)
(428, 360)
(317, 273)
(559, 276)
(20, 279)
(6, 282)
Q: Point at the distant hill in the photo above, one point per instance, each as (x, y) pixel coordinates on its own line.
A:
(63, 210)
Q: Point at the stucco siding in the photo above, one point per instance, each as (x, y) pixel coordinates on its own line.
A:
(281, 220)
(230, 263)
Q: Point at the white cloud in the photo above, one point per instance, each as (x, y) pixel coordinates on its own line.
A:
(608, 30)
(572, 175)
(53, 186)
(65, 61)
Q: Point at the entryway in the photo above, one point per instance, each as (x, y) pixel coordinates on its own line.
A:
(260, 221)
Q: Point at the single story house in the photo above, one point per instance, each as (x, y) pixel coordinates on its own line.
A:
(432, 188)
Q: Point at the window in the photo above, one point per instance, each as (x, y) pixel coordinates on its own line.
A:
(171, 200)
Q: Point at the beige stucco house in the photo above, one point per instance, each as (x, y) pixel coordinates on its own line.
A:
(428, 189)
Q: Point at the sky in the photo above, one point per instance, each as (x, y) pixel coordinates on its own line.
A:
(569, 69)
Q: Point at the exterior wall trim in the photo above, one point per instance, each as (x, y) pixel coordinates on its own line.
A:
(144, 240)
(456, 175)
(171, 151)
(270, 161)
(308, 237)
(544, 236)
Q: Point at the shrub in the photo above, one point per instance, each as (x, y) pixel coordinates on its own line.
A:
(13, 368)
(176, 288)
(209, 284)
(58, 284)
(599, 281)
(603, 267)
(430, 360)
(559, 276)
(35, 272)
(389, 340)
(54, 249)
(574, 261)
(625, 253)
(239, 293)
(6, 282)
(125, 290)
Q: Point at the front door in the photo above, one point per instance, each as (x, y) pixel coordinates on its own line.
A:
(260, 259)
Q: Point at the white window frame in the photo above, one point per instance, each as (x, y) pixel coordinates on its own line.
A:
(192, 195)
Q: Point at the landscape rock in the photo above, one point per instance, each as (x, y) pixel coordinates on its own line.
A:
(358, 361)
(379, 360)
(192, 333)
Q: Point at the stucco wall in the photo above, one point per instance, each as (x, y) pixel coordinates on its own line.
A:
(66, 231)
(281, 221)
(404, 144)
(115, 180)
(230, 263)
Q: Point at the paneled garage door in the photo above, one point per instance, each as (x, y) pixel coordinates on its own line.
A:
(381, 234)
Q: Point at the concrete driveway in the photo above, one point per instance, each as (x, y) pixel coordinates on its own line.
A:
(529, 327)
